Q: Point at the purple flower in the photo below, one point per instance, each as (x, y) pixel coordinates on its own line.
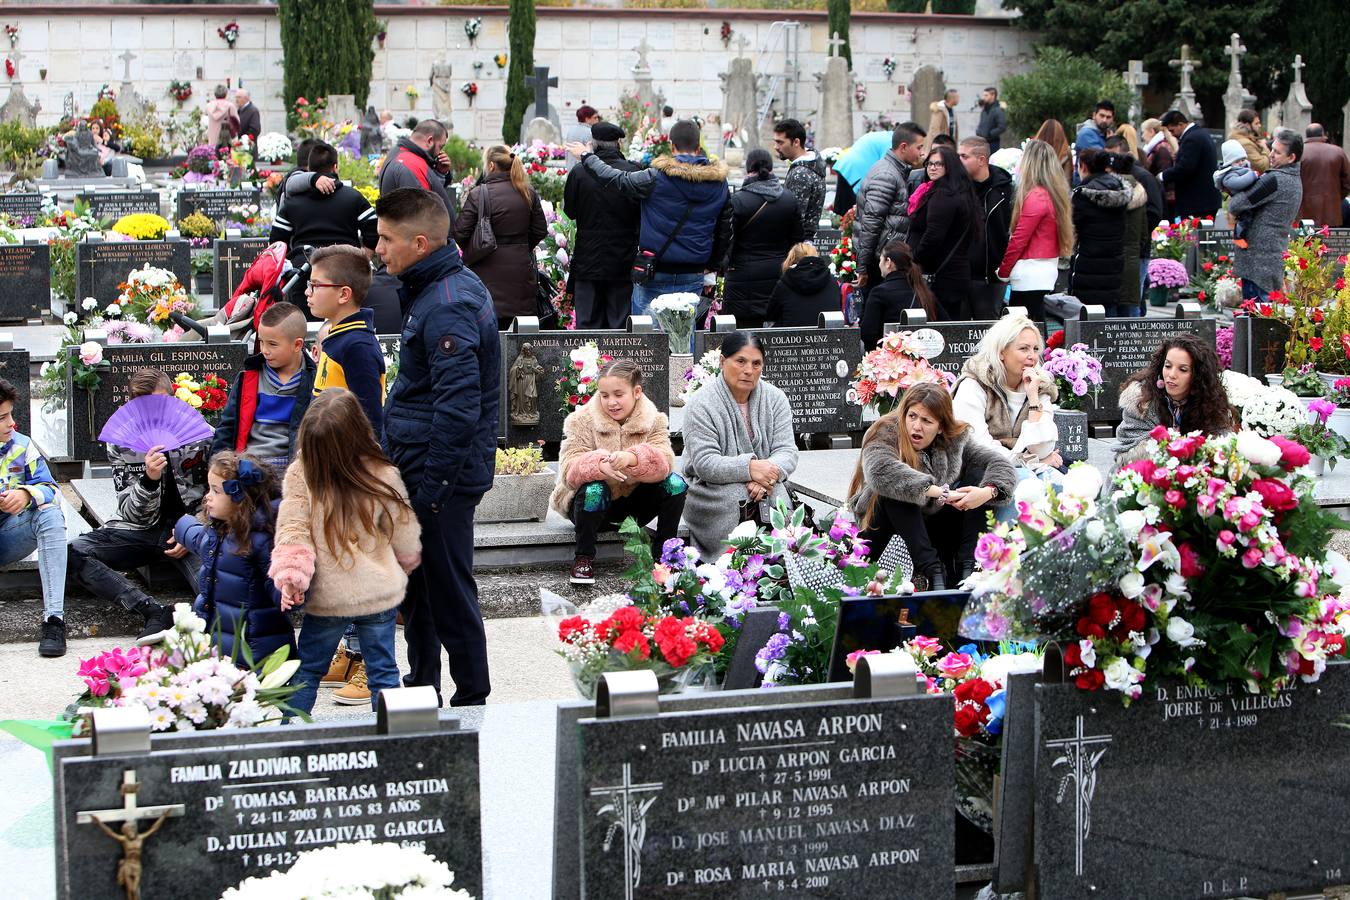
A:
(753, 568)
(842, 528)
(773, 650)
(673, 554)
(784, 620)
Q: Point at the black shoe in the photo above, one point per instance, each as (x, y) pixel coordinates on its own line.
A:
(937, 579)
(967, 570)
(53, 637)
(157, 622)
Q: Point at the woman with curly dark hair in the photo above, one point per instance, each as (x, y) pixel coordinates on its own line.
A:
(1179, 388)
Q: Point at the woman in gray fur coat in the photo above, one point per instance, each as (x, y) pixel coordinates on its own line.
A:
(739, 446)
(921, 476)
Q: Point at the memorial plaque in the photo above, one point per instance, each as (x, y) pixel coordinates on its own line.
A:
(113, 205)
(14, 369)
(836, 799)
(25, 281)
(651, 351)
(947, 345)
(1192, 792)
(1337, 241)
(1073, 435)
(813, 367)
(215, 204)
(88, 412)
(1259, 346)
(1212, 242)
(826, 240)
(22, 205)
(233, 256)
(1125, 346)
(101, 266)
(243, 803)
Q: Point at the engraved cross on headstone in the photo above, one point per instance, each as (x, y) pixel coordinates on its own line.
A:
(630, 815)
(1235, 49)
(1187, 65)
(1082, 762)
(541, 83)
(835, 43)
(129, 811)
(228, 257)
(126, 57)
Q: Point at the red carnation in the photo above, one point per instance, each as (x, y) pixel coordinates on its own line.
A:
(1275, 494)
(1292, 453)
(569, 627)
(1090, 680)
(1335, 644)
(1315, 344)
(628, 641)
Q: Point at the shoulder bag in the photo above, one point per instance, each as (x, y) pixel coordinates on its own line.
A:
(483, 241)
(644, 264)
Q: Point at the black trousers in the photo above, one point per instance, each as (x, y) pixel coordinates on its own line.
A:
(441, 606)
(1034, 301)
(986, 300)
(953, 298)
(602, 304)
(593, 507)
(96, 560)
(945, 539)
(844, 196)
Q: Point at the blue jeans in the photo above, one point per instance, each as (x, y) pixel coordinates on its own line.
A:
(319, 636)
(42, 529)
(664, 283)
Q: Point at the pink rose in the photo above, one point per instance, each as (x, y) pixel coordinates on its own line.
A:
(954, 665)
(91, 353)
(926, 645)
(1226, 538)
(852, 658)
(1252, 558)
(1292, 453)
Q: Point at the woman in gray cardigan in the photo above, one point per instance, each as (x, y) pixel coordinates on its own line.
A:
(739, 446)
(922, 476)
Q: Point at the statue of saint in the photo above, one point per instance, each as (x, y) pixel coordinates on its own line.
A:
(83, 155)
(523, 387)
(372, 139)
(442, 91)
(129, 866)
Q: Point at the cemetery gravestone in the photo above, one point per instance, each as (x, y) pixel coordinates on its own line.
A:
(22, 205)
(215, 204)
(826, 239)
(836, 100)
(1125, 346)
(88, 411)
(813, 367)
(947, 345)
(1073, 435)
(14, 369)
(1112, 821)
(25, 281)
(928, 86)
(103, 265)
(114, 205)
(1259, 346)
(551, 349)
(233, 256)
(1212, 242)
(249, 801)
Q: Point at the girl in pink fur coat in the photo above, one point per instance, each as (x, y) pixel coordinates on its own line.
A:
(616, 462)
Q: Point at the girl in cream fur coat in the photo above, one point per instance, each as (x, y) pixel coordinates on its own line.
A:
(346, 540)
(616, 462)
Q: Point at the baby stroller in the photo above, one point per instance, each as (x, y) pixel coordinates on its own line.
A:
(261, 286)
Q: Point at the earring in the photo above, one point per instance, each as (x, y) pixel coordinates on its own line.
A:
(1158, 383)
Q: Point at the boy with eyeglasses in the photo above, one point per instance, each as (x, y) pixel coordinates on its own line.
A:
(351, 357)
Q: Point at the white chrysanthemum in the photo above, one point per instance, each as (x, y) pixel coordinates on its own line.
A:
(89, 304)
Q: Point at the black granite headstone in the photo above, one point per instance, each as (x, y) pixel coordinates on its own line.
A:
(1125, 346)
(116, 204)
(88, 412)
(947, 345)
(233, 256)
(103, 265)
(25, 281)
(21, 205)
(1259, 346)
(826, 240)
(14, 369)
(1192, 792)
(215, 204)
(253, 799)
(1337, 241)
(813, 367)
(651, 351)
(1073, 435)
(846, 798)
(1212, 242)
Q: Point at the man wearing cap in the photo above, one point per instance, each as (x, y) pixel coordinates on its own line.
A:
(581, 131)
(607, 233)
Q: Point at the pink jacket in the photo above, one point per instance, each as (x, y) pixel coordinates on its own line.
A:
(589, 434)
(1035, 234)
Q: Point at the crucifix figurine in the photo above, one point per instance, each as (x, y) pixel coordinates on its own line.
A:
(131, 837)
(1299, 65)
(741, 43)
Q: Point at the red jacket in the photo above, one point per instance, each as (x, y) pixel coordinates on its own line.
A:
(265, 273)
(1035, 234)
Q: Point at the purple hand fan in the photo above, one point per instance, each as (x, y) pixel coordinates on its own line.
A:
(152, 421)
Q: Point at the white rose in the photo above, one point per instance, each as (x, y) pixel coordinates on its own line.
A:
(1257, 449)
(1083, 481)
(1179, 631)
(1119, 674)
(1131, 522)
(1132, 585)
(1029, 490)
(743, 530)
(1095, 530)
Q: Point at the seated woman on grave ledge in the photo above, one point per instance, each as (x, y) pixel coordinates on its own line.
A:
(1180, 388)
(739, 446)
(924, 476)
(1008, 400)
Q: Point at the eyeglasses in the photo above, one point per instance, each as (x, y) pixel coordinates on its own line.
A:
(309, 288)
(935, 164)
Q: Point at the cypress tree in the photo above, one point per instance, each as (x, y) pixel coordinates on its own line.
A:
(327, 46)
(839, 16)
(520, 41)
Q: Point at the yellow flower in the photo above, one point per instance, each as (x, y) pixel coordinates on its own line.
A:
(188, 397)
(142, 226)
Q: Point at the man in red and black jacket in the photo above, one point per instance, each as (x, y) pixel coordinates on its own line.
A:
(420, 162)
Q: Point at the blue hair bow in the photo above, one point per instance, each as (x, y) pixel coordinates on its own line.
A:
(249, 474)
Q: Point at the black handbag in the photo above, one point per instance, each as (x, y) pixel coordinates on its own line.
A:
(544, 310)
(644, 264)
(483, 240)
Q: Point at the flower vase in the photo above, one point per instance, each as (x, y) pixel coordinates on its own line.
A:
(1317, 465)
(680, 364)
(1158, 296)
(1339, 422)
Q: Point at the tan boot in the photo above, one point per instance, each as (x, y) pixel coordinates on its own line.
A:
(356, 691)
(339, 670)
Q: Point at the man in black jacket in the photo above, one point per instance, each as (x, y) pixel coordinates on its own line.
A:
(321, 219)
(994, 190)
(250, 120)
(1156, 211)
(606, 241)
(1192, 175)
(993, 120)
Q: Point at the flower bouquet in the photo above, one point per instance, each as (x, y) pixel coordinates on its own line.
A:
(886, 372)
(702, 373)
(1207, 562)
(207, 395)
(1171, 240)
(181, 91)
(1077, 374)
(843, 264)
(470, 90)
(142, 226)
(363, 869)
(553, 256)
(675, 313)
(229, 33)
(576, 386)
(151, 294)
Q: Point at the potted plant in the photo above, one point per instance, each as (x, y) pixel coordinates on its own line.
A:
(1303, 381)
(1325, 445)
(1165, 278)
(520, 489)
(1339, 420)
(203, 270)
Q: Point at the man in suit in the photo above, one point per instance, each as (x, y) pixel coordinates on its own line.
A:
(250, 120)
(1192, 175)
(1325, 170)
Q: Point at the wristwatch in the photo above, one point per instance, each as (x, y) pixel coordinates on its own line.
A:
(998, 494)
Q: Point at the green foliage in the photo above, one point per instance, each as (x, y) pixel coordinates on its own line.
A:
(465, 158)
(1062, 86)
(520, 41)
(839, 13)
(957, 7)
(356, 171)
(548, 186)
(19, 149)
(327, 46)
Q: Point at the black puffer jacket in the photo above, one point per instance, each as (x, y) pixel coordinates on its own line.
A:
(942, 231)
(765, 225)
(607, 222)
(804, 292)
(1099, 221)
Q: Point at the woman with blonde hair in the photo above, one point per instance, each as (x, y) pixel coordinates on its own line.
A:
(804, 291)
(923, 476)
(1052, 132)
(1126, 130)
(504, 197)
(1042, 229)
(1007, 399)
